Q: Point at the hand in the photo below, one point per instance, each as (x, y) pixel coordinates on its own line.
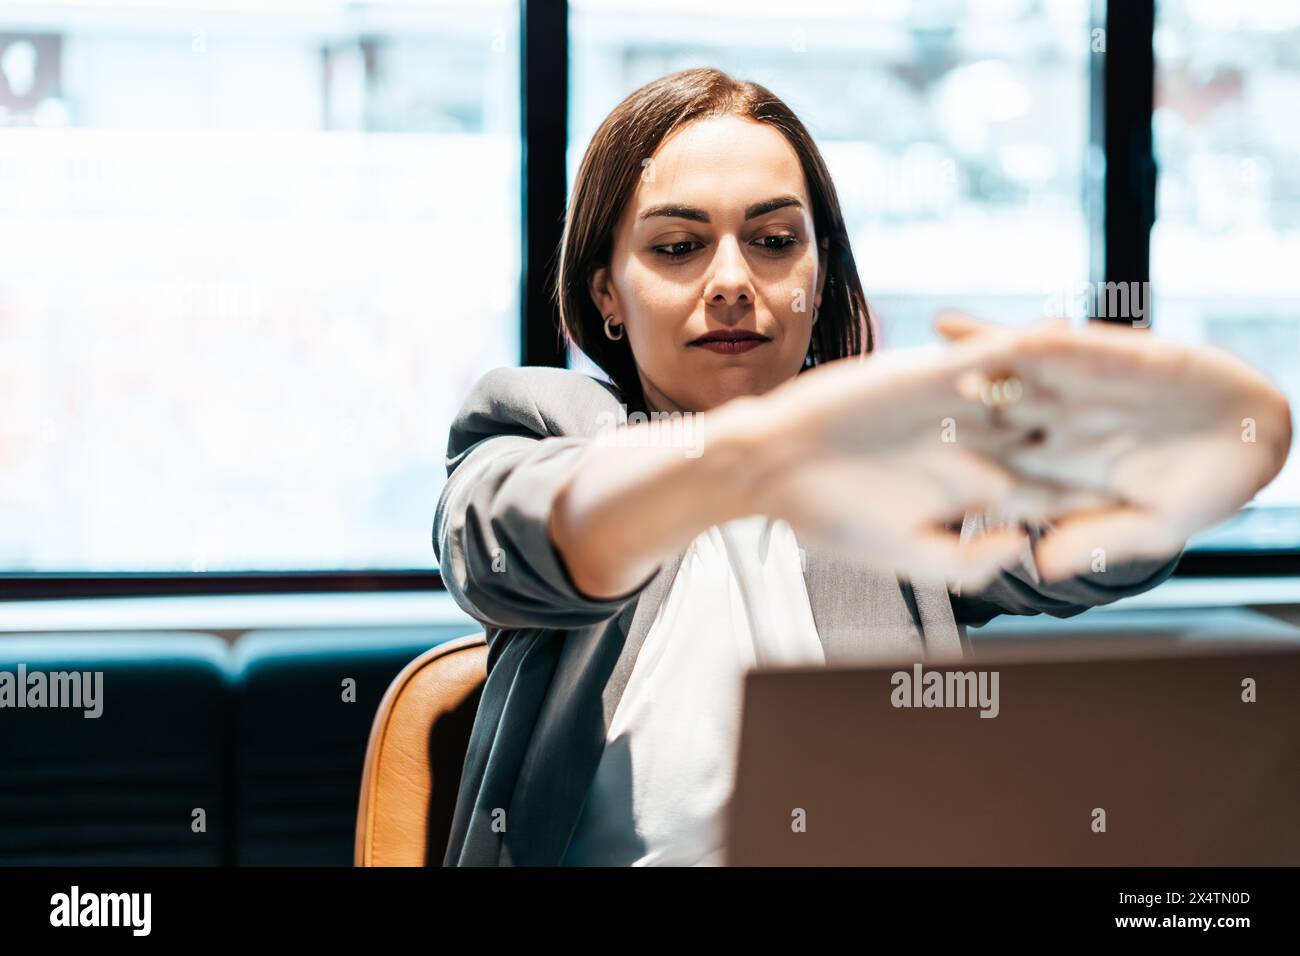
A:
(1177, 437)
(892, 510)
(886, 452)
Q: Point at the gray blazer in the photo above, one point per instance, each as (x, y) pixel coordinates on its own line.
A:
(558, 661)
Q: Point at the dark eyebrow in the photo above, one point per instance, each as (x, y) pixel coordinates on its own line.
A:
(770, 205)
(676, 211)
(673, 211)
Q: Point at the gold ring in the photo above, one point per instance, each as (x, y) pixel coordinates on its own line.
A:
(1000, 392)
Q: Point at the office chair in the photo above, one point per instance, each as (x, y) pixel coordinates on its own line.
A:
(415, 755)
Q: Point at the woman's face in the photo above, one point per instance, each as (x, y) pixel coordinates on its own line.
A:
(717, 237)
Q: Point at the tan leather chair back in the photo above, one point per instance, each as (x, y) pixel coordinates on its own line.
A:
(416, 753)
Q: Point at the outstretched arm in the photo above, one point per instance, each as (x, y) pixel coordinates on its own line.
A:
(1021, 590)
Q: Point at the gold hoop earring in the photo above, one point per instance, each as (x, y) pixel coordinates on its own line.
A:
(608, 333)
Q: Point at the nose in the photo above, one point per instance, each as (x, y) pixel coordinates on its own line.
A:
(729, 281)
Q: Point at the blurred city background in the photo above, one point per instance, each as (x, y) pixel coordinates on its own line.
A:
(252, 255)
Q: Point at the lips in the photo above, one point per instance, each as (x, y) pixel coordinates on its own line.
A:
(730, 341)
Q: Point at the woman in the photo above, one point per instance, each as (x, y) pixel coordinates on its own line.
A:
(828, 508)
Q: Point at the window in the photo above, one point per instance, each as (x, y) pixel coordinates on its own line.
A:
(957, 133)
(254, 255)
(253, 258)
(1227, 235)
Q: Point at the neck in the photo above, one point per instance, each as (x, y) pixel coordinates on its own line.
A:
(657, 401)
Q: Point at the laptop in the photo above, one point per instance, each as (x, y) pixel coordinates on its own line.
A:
(1135, 747)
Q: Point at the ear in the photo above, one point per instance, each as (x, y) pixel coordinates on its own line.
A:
(599, 287)
(823, 268)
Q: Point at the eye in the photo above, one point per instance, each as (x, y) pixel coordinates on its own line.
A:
(675, 250)
(781, 244)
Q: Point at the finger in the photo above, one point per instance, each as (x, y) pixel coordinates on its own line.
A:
(1041, 500)
(970, 564)
(1057, 323)
(999, 352)
(1007, 426)
(1087, 463)
(1089, 542)
(1082, 357)
(954, 325)
(958, 481)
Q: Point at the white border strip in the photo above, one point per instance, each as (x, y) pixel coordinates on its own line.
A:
(234, 612)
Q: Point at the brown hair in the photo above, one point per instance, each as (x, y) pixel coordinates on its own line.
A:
(607, 179)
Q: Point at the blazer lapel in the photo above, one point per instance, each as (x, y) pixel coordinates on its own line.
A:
(568, 737)
(647, 609)
(942, 637)
(860, 611)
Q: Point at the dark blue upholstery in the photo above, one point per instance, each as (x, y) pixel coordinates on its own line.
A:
(120, 788)
(257, 735)
(299, 746)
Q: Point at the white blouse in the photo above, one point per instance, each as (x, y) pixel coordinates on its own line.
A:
(661, 788)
